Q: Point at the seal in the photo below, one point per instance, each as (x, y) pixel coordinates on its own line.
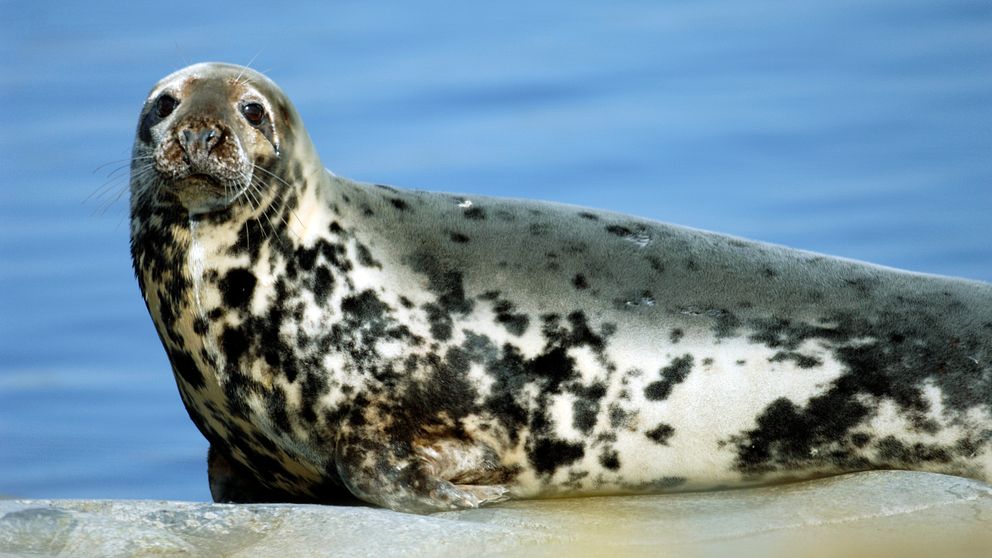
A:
(426, 351)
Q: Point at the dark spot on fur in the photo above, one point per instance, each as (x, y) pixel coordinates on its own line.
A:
(788, 434)
(610, 459)
(539, 229)
(323, 282)
(306, 258)
(860, 439)
(676, 335)
(619, 418)
(656, 263)
(671, 375)
(365, 256)
(579, 281)
(619, 230)
(897, 453)
(459, 238)
(234, 344)
(399, 204)
(547, 455)
(505, 215)
(555, 366)
(726, 322)
(586, 406)
(185, 367)
(896, 352)
(475, 213)
(365, 307)
(801, 360)
(237, 288)
(450, 299)
(276, 406)
(515, 323)
(661, 433)
(589, 216)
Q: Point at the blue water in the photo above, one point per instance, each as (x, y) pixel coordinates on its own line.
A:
(862, 129)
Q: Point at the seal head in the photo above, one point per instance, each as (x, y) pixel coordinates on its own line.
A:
(205, 131)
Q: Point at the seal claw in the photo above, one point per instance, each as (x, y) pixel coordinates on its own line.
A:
(441, 476)
(481, 495)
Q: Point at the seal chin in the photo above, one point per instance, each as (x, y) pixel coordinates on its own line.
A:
(203, 193)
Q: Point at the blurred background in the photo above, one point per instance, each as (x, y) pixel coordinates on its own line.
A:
(860, 129)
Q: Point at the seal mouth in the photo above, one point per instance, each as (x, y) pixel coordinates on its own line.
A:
(199, 180)
(198, 184)
(202, 192)
(202, 177)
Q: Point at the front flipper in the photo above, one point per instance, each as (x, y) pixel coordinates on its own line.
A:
(441, 475)
(232, 483)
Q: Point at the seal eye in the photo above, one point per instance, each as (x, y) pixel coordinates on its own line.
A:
(254, 113)
(166, 104)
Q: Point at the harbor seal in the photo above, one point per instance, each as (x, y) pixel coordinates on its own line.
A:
(426, 351)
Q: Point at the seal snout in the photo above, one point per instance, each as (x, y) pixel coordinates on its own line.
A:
(203, 161)
(204, 146)
(199, 141)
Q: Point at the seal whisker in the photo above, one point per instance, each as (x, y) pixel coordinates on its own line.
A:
(126, 162)
(278, 200)
(280, 203)
(108, 184)
(264, 211)
(100, 191)
(288, 187)
(247, 197)
(105, 195)
(247, 67)
(271, 174)
(115, 199)
(253, 195)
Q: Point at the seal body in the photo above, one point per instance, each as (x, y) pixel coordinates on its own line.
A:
(427, 351)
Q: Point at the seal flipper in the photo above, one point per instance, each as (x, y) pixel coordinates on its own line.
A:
(420, 478)
(232, 483)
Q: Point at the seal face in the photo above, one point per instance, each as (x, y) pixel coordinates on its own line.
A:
(425, 351)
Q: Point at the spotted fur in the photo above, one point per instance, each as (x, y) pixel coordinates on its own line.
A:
(425, 351)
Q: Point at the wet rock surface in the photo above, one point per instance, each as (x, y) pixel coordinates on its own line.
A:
(868, 514)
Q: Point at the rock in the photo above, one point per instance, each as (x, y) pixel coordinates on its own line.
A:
(893, 513)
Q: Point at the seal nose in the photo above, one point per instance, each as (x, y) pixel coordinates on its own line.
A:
(200, 140)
